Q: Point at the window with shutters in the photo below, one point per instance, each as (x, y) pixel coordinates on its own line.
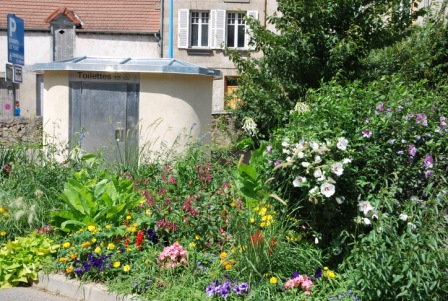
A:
(213, 29)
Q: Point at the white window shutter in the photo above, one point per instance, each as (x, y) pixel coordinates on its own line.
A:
(183, 28)
(217, 28)
(254, 14)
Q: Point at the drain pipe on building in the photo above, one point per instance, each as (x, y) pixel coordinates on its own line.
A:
(170, 43)
(162, 36)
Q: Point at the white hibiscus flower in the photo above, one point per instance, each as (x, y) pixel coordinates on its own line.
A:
(298, 182)
(337, 168)
(365, 207)
(342, 143)
(327, 189)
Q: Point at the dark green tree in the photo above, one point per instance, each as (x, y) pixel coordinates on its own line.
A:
(314, 41)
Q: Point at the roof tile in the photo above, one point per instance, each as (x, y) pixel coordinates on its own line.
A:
(96, 15)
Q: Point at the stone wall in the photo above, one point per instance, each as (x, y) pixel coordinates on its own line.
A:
(20, 130)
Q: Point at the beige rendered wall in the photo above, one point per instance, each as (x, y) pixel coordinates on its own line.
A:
(181, 106)
(56, 109)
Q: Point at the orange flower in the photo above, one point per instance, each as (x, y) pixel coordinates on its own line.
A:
(257, 238)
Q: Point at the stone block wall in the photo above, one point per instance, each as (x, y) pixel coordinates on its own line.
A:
(20, 130)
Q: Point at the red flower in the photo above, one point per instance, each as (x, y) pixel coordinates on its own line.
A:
(126, 242)
(139, 240)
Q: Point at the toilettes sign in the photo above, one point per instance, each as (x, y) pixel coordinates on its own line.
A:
(103, 77)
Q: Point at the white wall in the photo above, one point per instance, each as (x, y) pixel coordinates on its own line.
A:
(108, 45)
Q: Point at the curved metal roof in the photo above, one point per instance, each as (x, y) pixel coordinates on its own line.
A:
(162, 65)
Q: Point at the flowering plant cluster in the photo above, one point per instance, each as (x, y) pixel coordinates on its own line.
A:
(225, 289)
(182, 200)
(315, 165)
(173, 256)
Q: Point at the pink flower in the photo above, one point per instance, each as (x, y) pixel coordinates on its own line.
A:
(412, 150)
(421, 119)
(366, 133)
(429, 161)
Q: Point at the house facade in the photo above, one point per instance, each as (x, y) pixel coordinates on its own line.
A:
(56, 30)
(199, 31)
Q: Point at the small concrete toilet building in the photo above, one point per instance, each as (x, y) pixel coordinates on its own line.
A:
(118, 106)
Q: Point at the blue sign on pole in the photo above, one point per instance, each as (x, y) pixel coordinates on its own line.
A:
(16, 40)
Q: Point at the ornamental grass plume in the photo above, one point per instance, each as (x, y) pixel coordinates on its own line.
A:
(173, 256)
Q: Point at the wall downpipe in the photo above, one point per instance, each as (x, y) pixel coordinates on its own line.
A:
(162, 36)
(170, 46)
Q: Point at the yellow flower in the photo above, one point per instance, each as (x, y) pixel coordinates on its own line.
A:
(91, 228)
(192, 244)
(228, 266)
(128, 217)
(74, 256)
(3, 233)
(107, 226)
(252, 220)
(79, 231)
(126, 268)
(2, 210)
(111, 246)
(331, 274)
(97, 249)
(94, 240)
(148, 212)
(197, 237)
(273, 280)
(86, 244)
(66, 245)
(263, 224)
(231, 261)
(69, 270)
(63, 259)
(233, 204)
(223, 255)
(142, 202)
(116, 264)
(133, 229)
(263, 211)
(256, 209)
(325, 268)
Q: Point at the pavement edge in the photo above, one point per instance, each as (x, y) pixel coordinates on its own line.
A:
(77, 290)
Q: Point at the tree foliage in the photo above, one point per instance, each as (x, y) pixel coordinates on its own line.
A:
(314, 40)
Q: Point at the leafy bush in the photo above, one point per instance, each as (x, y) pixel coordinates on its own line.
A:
(404, 256)
(91, 200)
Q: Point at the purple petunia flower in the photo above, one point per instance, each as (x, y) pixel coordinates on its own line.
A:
(428, 173)
(412, 150)
(366, 133)
(399, 108)
(295, 275)
(429, 161)
(389, 110)
(268, 149)
(392, 141)
(442, 121)
(380, 107)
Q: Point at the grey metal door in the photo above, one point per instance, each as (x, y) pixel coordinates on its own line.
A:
(107, 115)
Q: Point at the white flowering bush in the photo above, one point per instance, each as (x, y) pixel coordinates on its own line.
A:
(316, 166)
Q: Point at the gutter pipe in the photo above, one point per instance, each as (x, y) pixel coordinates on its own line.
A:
(170, 43)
